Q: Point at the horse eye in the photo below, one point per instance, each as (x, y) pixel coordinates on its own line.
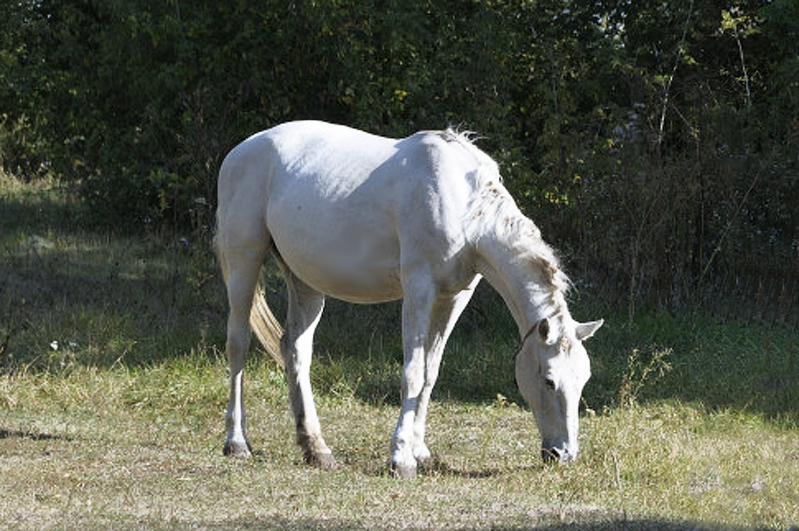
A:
(550, 383)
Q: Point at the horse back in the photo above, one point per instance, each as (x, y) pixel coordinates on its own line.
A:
(346, 209)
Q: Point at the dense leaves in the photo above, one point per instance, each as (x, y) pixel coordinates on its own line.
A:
(656, 143)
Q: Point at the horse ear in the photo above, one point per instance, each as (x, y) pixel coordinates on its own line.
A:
(544, 330)
(586, 330)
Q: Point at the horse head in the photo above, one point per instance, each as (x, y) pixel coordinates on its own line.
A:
(552, 367)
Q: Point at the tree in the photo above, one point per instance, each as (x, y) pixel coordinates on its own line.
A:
(655, 141)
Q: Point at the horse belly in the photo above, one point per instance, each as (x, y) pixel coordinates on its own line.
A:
(356, 260)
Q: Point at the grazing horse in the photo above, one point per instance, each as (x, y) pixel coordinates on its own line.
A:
(368, 219)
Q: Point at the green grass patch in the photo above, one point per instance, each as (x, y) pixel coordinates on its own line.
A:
(113, 386)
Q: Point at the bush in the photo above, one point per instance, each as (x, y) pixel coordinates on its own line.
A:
(656, 145)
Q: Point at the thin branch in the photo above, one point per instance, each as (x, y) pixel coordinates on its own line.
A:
(724, 234)
(667, 91)
(743, 65)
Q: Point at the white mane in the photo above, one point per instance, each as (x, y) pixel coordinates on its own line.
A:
(494, 209)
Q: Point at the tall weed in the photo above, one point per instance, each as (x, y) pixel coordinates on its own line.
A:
(642, 372)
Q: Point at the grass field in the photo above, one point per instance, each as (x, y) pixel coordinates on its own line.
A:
(113, 386)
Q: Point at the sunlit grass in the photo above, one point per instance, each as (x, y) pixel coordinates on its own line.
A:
(113, 385)
(143, 446)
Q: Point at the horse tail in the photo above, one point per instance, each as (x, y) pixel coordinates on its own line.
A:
(264, 325)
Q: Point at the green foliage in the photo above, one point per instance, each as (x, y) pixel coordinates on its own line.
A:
(655, 143)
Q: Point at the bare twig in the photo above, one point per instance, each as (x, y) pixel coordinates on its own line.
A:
(616, 470)
(667, 89)
(743, 66)
(724, 234)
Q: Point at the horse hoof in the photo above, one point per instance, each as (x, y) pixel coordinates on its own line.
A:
(325, 461)
(237, 449)
(402, 471)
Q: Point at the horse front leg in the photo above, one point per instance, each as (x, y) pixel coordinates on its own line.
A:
(427, 321)
(304, 311)
(417, 305)
(403, 461)
(445, 314)
(424, 330)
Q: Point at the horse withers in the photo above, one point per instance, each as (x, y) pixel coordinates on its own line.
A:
(368, 219)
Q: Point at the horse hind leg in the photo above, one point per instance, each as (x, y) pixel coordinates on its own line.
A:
(240, 269)
(305, 307)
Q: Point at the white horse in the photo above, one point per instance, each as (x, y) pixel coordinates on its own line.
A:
(368, 219)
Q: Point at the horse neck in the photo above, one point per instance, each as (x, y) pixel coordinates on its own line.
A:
(524, 271)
